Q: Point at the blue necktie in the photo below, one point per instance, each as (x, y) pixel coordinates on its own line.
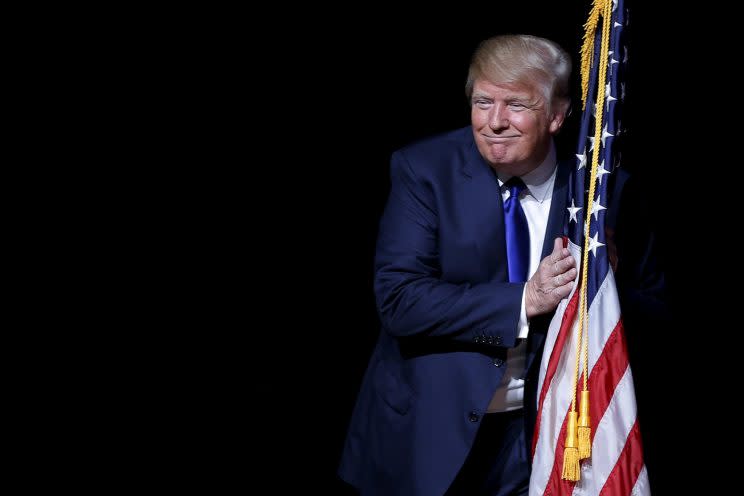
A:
(517, 232)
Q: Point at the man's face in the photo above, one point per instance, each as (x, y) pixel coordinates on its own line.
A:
(511, 125)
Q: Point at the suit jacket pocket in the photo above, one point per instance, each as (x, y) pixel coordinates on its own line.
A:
(392, 387)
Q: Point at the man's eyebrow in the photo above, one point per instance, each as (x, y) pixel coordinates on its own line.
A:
(512, 97)
(519, 97)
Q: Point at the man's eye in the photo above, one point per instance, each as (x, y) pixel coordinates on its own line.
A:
(482, 103)
(517, 106)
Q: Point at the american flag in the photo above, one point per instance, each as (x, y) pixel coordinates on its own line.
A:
(616, 465)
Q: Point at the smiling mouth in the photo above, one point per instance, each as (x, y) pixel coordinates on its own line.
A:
(498, 139)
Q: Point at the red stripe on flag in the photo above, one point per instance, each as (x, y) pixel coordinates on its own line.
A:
(606, 373)
(625, 473)
(569, 316)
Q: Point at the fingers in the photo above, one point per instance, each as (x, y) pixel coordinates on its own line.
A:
(564, 265)
(565, 278)
(559, 252)
(557, 245)
(552, 282)
(561, 292)
(560, 260)
(544, 293)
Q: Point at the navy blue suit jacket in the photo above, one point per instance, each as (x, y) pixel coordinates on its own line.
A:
(448, 316)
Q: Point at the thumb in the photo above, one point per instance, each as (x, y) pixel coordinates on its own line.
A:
(557, 246)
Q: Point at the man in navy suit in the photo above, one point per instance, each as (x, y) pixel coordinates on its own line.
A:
(447, 404)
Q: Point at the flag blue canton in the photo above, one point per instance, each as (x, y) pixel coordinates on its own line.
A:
(607, 148)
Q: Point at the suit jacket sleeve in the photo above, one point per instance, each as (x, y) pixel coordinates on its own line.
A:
(412, 297)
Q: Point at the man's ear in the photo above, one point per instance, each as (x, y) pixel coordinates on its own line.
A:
(561, 110)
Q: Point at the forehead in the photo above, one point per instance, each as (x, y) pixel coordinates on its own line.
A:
(515, 90)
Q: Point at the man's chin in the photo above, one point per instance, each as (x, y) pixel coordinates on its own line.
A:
(499, 158)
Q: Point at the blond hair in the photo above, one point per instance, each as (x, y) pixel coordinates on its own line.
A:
(522, 58)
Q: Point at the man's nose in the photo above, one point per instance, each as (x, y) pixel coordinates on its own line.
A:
(499, 119)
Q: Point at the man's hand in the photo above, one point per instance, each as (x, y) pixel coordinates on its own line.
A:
(552, 281)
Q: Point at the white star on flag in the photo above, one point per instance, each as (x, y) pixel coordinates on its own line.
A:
(572, 210)
(594, 244)
(601, 171)
(596, 208)
(609, 67)
(605, 134)
(609, 99)
(582, 159)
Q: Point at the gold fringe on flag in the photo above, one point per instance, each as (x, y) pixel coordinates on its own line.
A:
(587, 50)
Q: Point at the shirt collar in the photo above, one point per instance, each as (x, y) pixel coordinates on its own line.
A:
(540, 180)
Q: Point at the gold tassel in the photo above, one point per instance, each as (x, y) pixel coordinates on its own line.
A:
(571, 469)
(585, 429)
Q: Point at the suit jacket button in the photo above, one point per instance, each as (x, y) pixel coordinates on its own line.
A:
(473, 417)
(498, 362)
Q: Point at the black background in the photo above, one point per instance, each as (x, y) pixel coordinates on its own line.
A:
(340, 101)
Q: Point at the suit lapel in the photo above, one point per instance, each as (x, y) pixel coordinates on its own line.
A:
(484, 211)
(556, 217)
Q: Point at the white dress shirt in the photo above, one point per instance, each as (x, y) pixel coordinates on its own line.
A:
(535, 200)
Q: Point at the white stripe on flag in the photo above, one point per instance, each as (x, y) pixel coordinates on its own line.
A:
(609, 440)
(642, 487)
